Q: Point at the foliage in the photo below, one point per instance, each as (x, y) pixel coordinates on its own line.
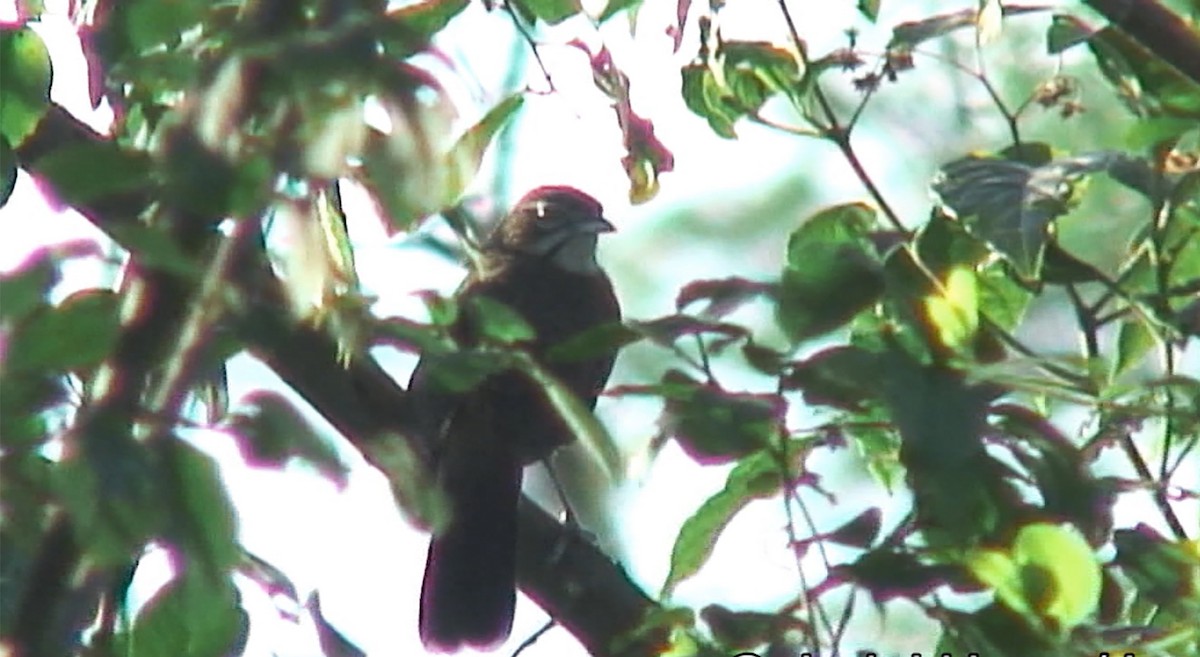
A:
(905, 337)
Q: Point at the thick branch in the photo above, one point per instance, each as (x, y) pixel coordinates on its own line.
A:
(1158, 29)
(572, 579)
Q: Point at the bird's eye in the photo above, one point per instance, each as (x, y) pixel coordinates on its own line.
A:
(540, 208)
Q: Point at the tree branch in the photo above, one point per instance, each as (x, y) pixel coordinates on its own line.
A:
(572, 579)
(1158, 29)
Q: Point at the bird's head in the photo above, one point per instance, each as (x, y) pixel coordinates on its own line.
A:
(556, 222)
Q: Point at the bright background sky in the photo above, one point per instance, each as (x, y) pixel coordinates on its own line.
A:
(351, 544)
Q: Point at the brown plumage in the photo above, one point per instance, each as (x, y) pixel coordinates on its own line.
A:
(540, 262)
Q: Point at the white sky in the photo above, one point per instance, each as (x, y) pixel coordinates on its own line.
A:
(352, 544)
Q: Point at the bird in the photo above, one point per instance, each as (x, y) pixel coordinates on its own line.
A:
(539, 261)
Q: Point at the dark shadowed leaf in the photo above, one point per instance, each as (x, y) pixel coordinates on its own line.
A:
(150, 23)
(888, 575)
(832, 272)
(861, 531)
(1010, 204)
(723, 295)
(79, 332)
(1164, 571)
(667, 330)
(88, 171)
(153, 246)
(841, 377)
(26, 288)
(716, 426)
(755, 477)
(8, 170)
(741, 630)
(274, 432)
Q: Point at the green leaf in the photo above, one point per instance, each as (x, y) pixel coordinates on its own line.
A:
(1147, 84)
(79, 332)
(714, 425)
(1001, 298)
(205, 521)
(409, 29)
(1066, 31)
(152, 23)
(615, 7)
(26, 72)
(552, 12)
(869, 9)
(754, 70)
(498, 323)
(578, 418)
(953, 312)
(88, 171)
(1050, 571)
(8, 170)
(24, 400)
(1134, 341)
(153, 246)
(464, 158)
(593, 343)
(26, 289)
(192, 616)
(755, 477)
(832, 272)
(702, 95)
(460, 371)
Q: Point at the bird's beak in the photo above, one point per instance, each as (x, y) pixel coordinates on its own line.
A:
(597, 225)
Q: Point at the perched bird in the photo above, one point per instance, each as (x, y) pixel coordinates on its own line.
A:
(540, 261)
